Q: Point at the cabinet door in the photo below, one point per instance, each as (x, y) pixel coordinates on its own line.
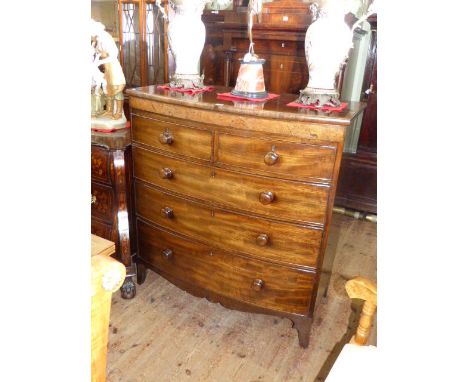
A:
(141, 43)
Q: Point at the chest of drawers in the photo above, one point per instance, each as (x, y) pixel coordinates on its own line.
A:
(234, 203)
(111, 203)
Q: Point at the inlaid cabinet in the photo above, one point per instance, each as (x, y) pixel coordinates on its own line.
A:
(111, 200)
(234, 204)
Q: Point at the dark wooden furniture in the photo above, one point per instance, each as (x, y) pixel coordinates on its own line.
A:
(233, 201)
(362, 194)
(111, 201)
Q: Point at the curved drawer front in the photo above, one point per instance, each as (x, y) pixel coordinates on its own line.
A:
(260, 238)
(173, 138)
(279, 158)
(292, 201)
(103, 202)
(256, 282)
(100, 164)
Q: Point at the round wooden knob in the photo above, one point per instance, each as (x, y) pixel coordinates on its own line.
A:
(266, 197)
(257, 284)
(166, 138)
(167, 253)
(271, 158)
(167, 212)
(166, 173)
(262, 239)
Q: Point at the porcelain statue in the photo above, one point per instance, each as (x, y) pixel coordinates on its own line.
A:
(186, 35)
(108, 85)
(98, 85)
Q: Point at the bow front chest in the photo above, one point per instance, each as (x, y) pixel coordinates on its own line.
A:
(234, 199)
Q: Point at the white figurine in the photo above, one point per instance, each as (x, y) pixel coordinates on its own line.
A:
(98, 81)
(108, 55)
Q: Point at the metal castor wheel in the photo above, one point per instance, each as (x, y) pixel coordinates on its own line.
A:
(128, 288)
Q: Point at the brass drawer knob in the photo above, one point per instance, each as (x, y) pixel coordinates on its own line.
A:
(266, 197)
(167, 253)
(271, 158)
(262, 239)
(257, 284)
(167, 212)
(166, 138)
(166, 173)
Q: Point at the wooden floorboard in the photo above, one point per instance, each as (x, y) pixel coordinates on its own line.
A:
(167, 335)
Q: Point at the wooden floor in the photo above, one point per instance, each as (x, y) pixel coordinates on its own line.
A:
(165, 334)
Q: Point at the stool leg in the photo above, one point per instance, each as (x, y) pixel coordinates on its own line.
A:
(365, 323)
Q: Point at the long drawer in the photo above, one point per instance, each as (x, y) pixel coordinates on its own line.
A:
(260, 238)
(293, 201)
(276, 157)
(173, 138)
(256, 282)
(288, 48)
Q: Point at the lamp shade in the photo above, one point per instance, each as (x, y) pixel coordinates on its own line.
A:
(250, 81)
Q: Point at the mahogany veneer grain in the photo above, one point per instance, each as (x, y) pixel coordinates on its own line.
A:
(234, 203)
(262, 283)
(234, 189)
(220, 227)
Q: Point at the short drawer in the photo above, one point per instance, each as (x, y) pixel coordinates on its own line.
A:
(172, 138)
(279, 158)
(257, 282)
(274, 198)
(102, 201)
(100, 164)
(260, 238)
(101, 229)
